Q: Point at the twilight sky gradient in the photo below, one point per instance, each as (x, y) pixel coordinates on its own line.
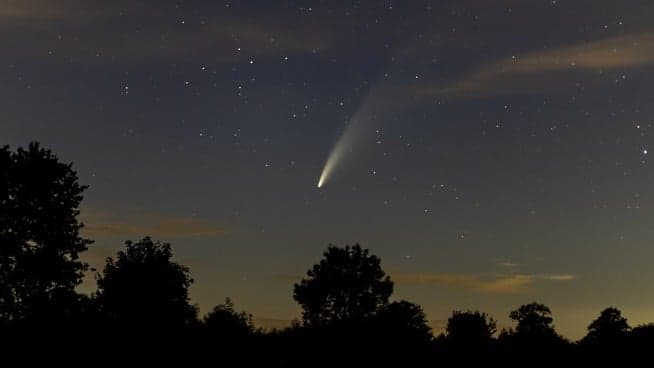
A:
(492, 152)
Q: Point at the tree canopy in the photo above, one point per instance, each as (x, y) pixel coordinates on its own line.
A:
(347, 284)
(608, 327)
(40, 240)
(143, 287)
(404, 322)
(470, 327)
(533, 320)
(224, 322)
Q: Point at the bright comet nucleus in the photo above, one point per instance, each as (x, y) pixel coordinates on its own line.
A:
(334, 157)
(343, 146)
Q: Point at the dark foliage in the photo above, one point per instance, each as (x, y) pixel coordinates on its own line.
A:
(468, 339)
(347, 284)
(641, 338)
(40, 242)
(470, 328)
(346, 313)
(143, 289)
(225, 323)
(404, 322)
(609, 327)
(535, 336)
(534, 321)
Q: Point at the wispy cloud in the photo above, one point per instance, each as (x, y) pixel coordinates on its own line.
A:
(533, 72)
(99, 224)
(483, 283)
(35, 13)
(34, 9)
(492, 284)
(147, 33)
(221, 39)
(560, 277)
(509, 264)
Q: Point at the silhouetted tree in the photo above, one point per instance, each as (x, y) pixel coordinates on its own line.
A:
(534, 342)
(609, 327)
(40, 242)
(398, 335)
(347, 284)
(468, 339)
(533, 320)
(404, 322)
(224, 323)
(143, 289)
(226, 332)
(637, 347)
(470, 328)
(641, 339)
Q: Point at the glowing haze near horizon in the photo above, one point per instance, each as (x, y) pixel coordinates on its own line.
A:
(492, 153)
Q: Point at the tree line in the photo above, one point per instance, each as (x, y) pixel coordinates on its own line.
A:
(142, 304)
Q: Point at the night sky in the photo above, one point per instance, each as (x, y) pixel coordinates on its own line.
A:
(492, 153)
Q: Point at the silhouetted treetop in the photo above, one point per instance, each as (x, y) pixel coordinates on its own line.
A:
(609, 326)
(347, 284)
(40, 242)
(224, 322)
(643, 334)
(534, 320)
(470, 327)
(404, 321)
(143, 287)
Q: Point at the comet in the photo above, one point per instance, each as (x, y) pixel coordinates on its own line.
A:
(336, 156)
(341, 149)
(380, 99)
(358, 126)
